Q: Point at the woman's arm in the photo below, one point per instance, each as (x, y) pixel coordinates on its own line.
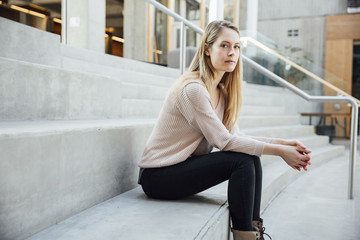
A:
(296, 157)
(195, 105)
(236, 130)
(294, 152)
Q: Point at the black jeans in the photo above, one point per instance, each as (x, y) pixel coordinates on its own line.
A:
(199, 173)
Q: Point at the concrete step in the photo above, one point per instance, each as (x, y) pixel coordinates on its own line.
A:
(261, 100)
(292, 103)
(267, 120)
(140, 108)
(122, 216)
(40, 46)
(89, 59)
(144, 91)
(261, 110)
(208, 211)
(318, 200)
(85, 153)
(278, 175)
(290, 131)
(151, 108)
(52, 93)
(48, 93)
(118, 72)
(56, 169)
(263, 88)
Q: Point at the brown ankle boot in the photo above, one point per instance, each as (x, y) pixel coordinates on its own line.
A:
(245, 235)
(259, 226)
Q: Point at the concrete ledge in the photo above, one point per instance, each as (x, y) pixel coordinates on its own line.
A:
(278, 175)
(287, 131)
(134, 216)
(53, 170)
(93, 57)
(45, 92)
(123, 216)
(268, 120)
(26, 43)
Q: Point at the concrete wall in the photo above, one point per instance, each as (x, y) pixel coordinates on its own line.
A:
(278, 9)
(276, 17)
(135, 29)
(26, 43)
(87, 24)
(311, 39)
(50, 172)
(33, 92)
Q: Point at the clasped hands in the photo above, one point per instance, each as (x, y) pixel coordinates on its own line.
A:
(294, 153)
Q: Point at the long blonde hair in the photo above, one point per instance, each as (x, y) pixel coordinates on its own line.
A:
(231, 82)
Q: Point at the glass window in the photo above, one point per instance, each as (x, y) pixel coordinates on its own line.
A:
(114, 31)
(39, 14)
(192, 10)
(229, 10)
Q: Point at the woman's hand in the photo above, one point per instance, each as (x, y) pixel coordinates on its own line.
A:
(294, 153)
(296, 157)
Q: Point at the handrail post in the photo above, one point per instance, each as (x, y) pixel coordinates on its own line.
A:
(353, 147)
(182, 48)
(65, 21)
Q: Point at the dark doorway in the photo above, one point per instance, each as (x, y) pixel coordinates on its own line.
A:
(356, 70)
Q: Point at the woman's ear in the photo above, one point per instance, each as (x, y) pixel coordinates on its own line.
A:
(206, 50)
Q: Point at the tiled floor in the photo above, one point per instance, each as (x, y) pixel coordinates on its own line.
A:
(316, 205)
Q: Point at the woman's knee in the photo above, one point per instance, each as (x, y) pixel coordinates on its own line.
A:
(244, 161)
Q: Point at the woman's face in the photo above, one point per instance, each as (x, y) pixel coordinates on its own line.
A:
(224, 52)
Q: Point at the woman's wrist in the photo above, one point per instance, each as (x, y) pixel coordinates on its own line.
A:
(275, 149)
(278, 141)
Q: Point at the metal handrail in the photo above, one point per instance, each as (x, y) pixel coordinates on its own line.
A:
(284, 83)
(354, 114)
(298, 67)
(184, 23)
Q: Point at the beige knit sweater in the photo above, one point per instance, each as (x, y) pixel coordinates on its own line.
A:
(190, 126)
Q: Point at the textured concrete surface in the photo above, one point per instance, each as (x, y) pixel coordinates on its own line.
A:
(26, 43)
(134, 216)
(120, 220)
(90, 59)
(315, 206)
(52, 170)
(45, 92)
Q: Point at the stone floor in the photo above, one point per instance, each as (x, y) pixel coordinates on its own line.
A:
(316, 205)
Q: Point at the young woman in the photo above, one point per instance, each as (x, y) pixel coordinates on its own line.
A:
(201, 112)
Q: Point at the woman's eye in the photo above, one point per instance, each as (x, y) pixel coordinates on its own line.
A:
(238, 47)
(224, 45)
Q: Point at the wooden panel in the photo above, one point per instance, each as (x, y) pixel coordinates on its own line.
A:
(343, 26)
(338, 62)
(338, 59)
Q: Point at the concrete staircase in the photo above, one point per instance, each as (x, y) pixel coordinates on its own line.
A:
(73, 124)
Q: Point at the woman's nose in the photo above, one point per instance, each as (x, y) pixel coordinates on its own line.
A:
(231, 52)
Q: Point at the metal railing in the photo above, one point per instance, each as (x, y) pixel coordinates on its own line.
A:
(282, 82)
(298, 67)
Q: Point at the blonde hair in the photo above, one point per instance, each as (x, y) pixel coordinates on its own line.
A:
(231, 82)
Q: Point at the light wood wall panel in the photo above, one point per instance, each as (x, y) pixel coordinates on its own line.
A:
(343, 27)
(341, 31)
(339, 57)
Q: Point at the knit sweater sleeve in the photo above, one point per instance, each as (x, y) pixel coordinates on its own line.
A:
(195, 105)
(236, 130)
